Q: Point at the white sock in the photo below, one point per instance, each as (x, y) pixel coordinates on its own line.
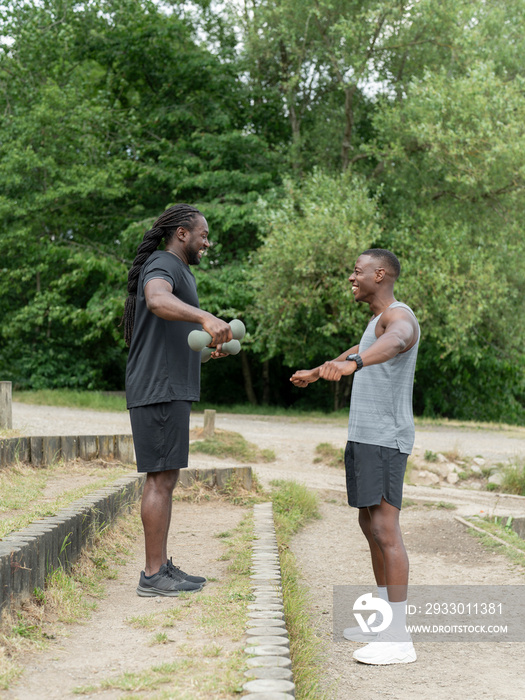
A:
(397, 627)
(382, 592)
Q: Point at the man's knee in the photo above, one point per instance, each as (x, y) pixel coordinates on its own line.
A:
(365, 523)
(163, 481)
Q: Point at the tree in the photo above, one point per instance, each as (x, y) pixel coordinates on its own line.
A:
(303, 305)
(103, 125)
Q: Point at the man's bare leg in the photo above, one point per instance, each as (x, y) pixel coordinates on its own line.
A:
(156, 516)
(390, 563)
(386, 537)
(378, 562)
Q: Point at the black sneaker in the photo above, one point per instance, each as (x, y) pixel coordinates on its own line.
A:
(163, 583)
(181, 575)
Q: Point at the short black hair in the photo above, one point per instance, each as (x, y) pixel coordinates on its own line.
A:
(388, 259)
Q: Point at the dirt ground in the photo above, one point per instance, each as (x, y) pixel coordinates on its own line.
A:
(107, 645)
(330, 552)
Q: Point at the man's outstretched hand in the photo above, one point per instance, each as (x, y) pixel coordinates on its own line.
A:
(333, 370)
(303, 377)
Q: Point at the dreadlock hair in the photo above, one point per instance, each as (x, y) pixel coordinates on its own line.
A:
(387, 258)
(164, 227)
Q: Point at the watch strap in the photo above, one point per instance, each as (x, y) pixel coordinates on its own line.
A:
(357, 359)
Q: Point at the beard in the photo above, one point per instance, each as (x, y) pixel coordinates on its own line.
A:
(193, 258)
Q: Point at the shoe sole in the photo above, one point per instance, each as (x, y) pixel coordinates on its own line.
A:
(153, 592)
(360, 637)
(374, 662)
(406, 658)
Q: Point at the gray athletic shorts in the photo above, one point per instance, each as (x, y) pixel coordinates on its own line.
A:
(373, 473)
(161, 435)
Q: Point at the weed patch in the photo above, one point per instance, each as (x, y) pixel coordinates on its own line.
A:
(514, 479)
(326, 453)
(227, 444)
(294, 506)
(501, 528)
(24, 496)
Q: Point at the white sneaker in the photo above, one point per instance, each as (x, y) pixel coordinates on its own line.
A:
(386, 650)
(356, 634)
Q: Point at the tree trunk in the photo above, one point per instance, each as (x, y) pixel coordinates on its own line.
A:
(247, 377)
(266, 382)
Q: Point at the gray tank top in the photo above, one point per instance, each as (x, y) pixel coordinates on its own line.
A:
(381, 403)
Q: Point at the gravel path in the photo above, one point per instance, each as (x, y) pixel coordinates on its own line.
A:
(332, 551)
(294, 440)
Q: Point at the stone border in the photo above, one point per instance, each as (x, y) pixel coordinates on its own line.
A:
(268, 643)
(28, 556)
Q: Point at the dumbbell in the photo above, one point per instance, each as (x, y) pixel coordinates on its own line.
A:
(199, 340)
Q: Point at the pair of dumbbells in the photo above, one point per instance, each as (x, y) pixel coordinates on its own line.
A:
(199, 341)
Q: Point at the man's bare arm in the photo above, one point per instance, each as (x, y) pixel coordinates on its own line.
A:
(303, 377)
(400, 333)
(161, 301)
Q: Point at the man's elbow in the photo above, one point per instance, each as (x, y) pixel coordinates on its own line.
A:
(155, 304)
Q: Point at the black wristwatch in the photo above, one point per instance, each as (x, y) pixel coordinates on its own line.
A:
(357, 359)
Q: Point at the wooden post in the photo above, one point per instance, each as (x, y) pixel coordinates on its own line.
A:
(209, 423)
(6, 408)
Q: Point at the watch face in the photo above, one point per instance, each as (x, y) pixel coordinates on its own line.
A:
(357, 359)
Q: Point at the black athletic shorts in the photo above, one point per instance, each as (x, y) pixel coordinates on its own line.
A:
(373, 473)
(161, 435)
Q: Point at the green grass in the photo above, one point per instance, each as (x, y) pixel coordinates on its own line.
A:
(23, 490)
(294, 506)
(325, 453)
(501, 528)
(514, 479)
(93, 400)
(226, 444)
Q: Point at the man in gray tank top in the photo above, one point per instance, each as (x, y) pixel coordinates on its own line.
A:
(380, 438)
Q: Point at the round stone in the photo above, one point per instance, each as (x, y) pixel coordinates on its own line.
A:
(265, 607)
(268, 696)
(269, 661)
(266, 631)
(271, 672)
(268, 601)
(268, 686)
(264, 614)
(267, 622)
(274, 640)
(267, 650)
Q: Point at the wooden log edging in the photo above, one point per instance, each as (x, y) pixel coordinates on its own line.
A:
(30, 555)
(41, 451)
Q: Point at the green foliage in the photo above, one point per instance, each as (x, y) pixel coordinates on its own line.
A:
(306, 131)
(313, 236)
(103, 125)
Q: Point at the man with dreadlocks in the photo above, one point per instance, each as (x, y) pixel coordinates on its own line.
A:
(163, 377)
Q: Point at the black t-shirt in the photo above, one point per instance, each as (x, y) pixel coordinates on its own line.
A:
(161, 365)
